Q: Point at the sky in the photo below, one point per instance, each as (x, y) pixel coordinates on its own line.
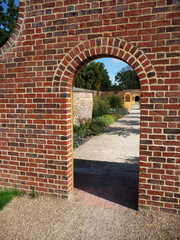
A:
(112, 65)
(5, 5)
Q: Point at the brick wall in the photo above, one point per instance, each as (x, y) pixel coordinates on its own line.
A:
(82, 107)
(133, 92)
(52, 42)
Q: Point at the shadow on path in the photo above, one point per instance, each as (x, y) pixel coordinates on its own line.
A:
(115, 182)
(106, 170)
(123, 131)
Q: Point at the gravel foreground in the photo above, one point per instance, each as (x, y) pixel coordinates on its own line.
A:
(49, 218)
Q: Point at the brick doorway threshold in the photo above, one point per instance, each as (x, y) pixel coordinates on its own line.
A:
(104, 187)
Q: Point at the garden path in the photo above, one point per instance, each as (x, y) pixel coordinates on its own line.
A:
(106, 167)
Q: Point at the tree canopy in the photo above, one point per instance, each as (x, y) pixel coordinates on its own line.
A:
(93, 76)
(127, 79)
(8, 20)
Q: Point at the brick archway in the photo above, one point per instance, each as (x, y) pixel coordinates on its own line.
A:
(52, 41)
(87, 51)
(81, 55)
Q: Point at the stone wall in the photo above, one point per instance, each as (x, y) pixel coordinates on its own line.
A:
(82, 107)
(53, 40)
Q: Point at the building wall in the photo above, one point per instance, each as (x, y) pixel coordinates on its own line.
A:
(133, 92)
(53, 40)
(82, 107)
(121, 93)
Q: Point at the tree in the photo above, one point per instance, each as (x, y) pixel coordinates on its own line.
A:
(93, 76)
(8, 20)
(115, 87)
(105, 81)
(127, 79)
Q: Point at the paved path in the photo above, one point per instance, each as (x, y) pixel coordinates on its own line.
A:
(106, 167)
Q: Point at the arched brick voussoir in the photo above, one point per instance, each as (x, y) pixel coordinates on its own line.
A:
(92, 49)
(68, 58)
(66, 82)
(16, 33)
(131, 60)
(68, 74)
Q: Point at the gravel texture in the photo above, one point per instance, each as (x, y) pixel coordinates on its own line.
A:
(49, 218)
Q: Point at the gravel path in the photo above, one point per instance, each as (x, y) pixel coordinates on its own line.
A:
(48, 218)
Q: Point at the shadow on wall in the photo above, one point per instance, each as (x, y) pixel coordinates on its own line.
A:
(115, 182)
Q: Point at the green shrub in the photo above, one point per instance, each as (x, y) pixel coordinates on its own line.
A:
(77, 140)
(122, 111)
(100, 106)
(79, 132)
(117, 116)
(115, 101)
(82, 129)
(97, 126)
(90, 128)
(107, 119)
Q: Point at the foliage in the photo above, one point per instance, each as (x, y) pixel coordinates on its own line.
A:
(100, 106)
(33, 194)
(117, 116)
(108, 119)
(7, 19)
(82, 130)
(93, 76)
(7, 195)
(105, 81)
(90, 128)
(97, 126)
(115, 87)
(77, 140)
(127, 79)
(115, 101)
(122, 111)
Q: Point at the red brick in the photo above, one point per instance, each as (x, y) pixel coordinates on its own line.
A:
(38, 72)
(156, 193)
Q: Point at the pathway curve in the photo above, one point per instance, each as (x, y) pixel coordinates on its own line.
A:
(106, 167)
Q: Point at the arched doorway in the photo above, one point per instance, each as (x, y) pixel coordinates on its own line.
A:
(127, 100)
(100, 165)
(72, 63)
(137, 98)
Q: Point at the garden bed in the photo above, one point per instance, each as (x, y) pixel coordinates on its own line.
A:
(85, 131)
